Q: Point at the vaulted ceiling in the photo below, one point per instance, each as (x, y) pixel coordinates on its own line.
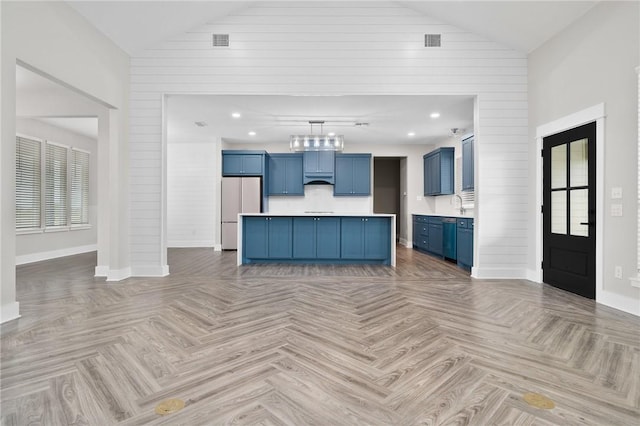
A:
(522, 25)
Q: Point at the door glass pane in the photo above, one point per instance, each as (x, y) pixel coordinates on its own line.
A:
(559, 212)
(559, 166)
(579, 209)
(579, 163)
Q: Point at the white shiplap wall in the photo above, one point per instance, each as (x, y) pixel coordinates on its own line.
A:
(191, 189)
(303, 48)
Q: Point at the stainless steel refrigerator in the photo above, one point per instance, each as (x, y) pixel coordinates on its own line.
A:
(239, 195)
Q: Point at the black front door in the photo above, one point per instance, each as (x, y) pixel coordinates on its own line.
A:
(569, 210)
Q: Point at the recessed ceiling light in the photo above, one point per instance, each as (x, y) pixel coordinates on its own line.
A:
(235, 114)
(411, 134)
(331, 134)
(435, 115)
(252, 133)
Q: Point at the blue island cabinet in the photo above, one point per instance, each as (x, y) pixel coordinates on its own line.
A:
(316, 237)
(266, 238)
(365, 238)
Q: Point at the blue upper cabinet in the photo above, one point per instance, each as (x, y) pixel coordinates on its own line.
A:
(243, 163)
(353, 175)
(319, 166)
(467, 164)
(285, 174)
(438, 171)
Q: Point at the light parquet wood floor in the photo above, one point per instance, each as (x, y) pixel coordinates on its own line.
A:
(325, 345)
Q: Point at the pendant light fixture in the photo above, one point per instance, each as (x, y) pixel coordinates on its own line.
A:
(320, 142)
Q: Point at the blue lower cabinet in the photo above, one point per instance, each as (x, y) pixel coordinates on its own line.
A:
(267, 238)
(366, 238)
(316, 238)
(449, 238)
(435, 235)
(320, 239)
(352, 238)
(465, 243)
(255, 238)
(421, 232)
(280, 238)
(328, 237)
(304, 238)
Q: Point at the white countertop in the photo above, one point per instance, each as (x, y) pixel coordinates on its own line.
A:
(457, 216)
(316, 214)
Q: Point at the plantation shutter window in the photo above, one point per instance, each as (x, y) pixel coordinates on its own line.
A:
(56, 185)
(28, 183)
(79, 187)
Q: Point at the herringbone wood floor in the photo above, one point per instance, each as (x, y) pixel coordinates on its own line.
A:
(324, 345)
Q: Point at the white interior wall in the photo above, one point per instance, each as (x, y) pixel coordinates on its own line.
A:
(302, 49)
(53, 38)
(47, 245)
(191, 194)
(591, 62)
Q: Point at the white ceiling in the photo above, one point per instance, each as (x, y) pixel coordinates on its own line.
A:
(38, 89)
(85, 126)
(275, 118)
(523, 25)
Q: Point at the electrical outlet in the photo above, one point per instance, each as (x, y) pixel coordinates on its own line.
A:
(618, 272)
(616, 209)
(616, 193)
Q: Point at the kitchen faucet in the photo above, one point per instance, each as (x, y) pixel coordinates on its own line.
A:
(462, 209)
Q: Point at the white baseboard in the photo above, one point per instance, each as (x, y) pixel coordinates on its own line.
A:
(217, 247)
(150, 271)
(53, 254)
(499, 273)
(118, 274)
(626, 304)
(102, 271)
(534, 275)
(404, 242)
(9, 312)
(190, 243)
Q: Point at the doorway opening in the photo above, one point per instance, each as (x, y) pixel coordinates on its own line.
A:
(388, 189)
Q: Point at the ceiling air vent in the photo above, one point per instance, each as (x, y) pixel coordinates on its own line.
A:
(432, 40)
(220, 40)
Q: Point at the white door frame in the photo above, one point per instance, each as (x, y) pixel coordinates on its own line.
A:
(595, 113)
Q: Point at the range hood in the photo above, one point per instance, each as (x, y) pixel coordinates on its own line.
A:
(319, 167)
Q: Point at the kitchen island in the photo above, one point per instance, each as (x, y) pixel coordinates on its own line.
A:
(325, 238)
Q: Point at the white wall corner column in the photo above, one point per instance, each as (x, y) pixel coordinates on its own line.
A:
(9, 306)
(635, 281)
(113, 229)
